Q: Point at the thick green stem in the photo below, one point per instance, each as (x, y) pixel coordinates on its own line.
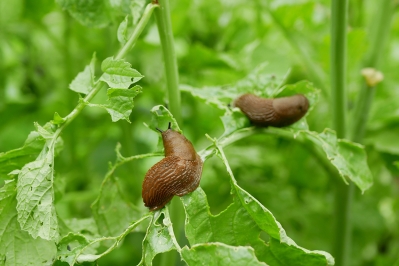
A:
(343, 193)
(162, 15)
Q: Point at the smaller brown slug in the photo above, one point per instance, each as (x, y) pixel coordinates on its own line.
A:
(179, 173)
(278, 112)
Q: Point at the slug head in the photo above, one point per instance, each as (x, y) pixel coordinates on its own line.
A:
(176, 144)
(291, 108)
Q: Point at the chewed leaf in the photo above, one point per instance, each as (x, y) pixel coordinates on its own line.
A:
(118, 73)
(288, 253)
(35, 193)
(112, 213)
(16, 159)
(261, 82)
(70, 246)
(84, 81)
(219, 97)
(161, 117)
(75, 248)
(17, 247)
(232, 121)
(121, 102)
(219, 254)
(160, 237)
(349, 158)
(303, 87)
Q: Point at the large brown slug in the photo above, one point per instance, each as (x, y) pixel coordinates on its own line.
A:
(279, 112)
(179, 173)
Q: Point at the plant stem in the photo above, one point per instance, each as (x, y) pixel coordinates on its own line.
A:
(162, 15)
(343, 193)
(380, 32)
(378, 39)
(319, 77)
(360, 116)
(100, 85)
(137, 31)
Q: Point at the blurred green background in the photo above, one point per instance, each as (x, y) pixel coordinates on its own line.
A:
(42, 48)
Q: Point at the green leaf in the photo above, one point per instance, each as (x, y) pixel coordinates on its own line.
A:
(260, 82)
(219, 97)
(57, 120)
(289, 251)
(112, 213)
(122, 31)
(77, 248)
(233, 226)
(70, 247)
(17, 247)
(121, 103)
(219, 254)
(303, 87)
(160, 237)
(232, 121)
(84, 81)
(161, 117)
(349, 158)
(35, 192)
(240, 225)
(137, 7)
(15, 159)
(118, 73)
(384, 140)
(91, 13)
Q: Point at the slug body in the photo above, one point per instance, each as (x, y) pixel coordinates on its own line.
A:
(279, 112)
(179, 173)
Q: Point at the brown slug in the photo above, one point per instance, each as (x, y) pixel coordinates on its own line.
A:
(179, 173)
(278, 112)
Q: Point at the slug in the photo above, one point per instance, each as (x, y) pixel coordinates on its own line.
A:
(278, 112)
(179, 173)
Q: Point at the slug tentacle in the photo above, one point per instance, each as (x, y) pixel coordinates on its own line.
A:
(178, 173)
(279, 112)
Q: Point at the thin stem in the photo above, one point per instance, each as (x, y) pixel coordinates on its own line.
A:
(380, 32)
(338, 66)
(343, 193)
(137, 31)
(378, 39)
(361, 113)
(318, 75)
(100, 85)
(162, 15)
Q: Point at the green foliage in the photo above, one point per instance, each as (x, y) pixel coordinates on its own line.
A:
(266, 194)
